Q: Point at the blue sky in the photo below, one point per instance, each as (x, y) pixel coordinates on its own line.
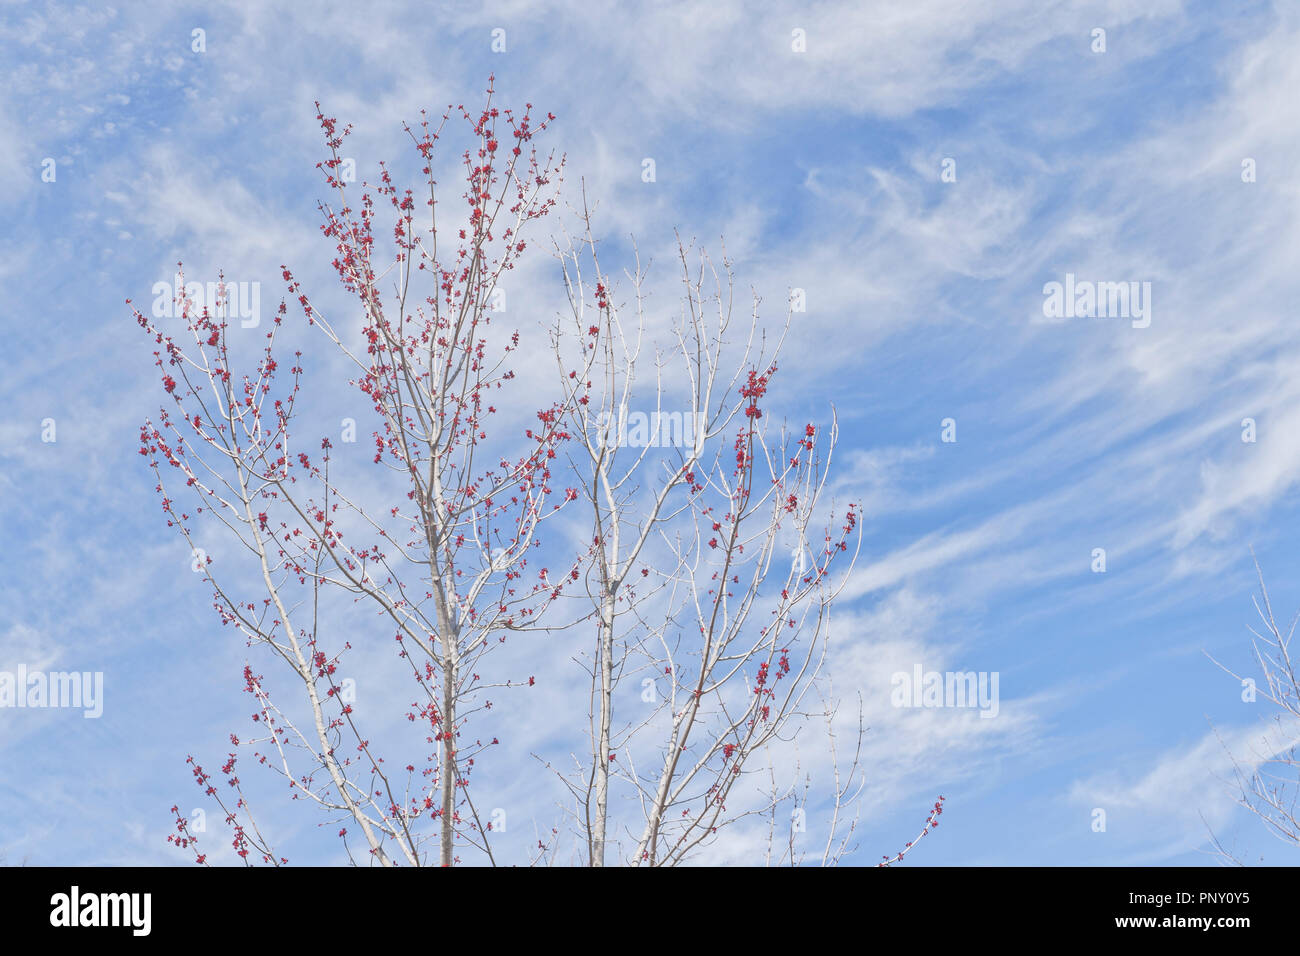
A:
(822, 170)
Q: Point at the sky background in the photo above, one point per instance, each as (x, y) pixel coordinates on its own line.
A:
(925, 298)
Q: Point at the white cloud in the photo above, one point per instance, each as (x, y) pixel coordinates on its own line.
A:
(1166, 809)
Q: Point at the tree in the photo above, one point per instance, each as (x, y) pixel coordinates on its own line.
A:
(704, 576)
(443, 560)
(1268, 782)
(694, 596)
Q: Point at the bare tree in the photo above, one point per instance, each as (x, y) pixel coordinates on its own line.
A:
(690, 488)
(1267, 783)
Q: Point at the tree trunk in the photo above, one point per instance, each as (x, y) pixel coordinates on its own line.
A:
(448, 777)
(606, 715)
